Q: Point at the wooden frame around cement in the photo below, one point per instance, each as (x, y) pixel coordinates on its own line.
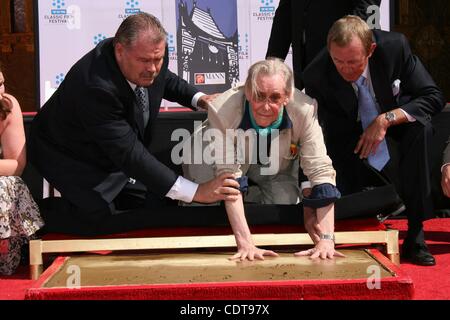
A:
(387, 238)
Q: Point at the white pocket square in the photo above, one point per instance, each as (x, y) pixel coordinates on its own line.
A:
(396, 87)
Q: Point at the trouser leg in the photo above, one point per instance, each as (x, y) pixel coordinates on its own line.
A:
(415, 175)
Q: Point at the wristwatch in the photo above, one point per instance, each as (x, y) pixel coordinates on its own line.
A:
(390, 116)
(327, 236)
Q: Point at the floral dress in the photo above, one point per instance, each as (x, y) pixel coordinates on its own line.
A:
(19, 221)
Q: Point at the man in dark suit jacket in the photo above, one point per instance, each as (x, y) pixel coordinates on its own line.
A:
(90, 140)
(305, 24)
(406, 98)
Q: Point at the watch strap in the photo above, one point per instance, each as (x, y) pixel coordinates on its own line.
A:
(327, 236)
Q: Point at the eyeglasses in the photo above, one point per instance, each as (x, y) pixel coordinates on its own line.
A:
(273, 99)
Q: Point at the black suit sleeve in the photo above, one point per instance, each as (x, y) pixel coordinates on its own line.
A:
(446, 158)
(360, 7)
(426, 98)
(337, 147)
(178, 90)
(281, 33)
(103, 117)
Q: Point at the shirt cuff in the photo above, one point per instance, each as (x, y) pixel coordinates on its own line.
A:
(243, 184)
(444, 165)
(305, 185)
(321, 196)
(183, 189)
(408, 116)
(195, 98)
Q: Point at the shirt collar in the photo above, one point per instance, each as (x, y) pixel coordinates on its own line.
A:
(366, 72)
(132, 85)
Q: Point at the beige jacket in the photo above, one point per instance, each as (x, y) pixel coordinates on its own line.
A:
(303, 142)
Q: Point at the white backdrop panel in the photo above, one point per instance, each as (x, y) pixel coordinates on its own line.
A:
(68, 29)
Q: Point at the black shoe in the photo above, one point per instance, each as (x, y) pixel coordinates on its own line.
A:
(393, 213)
(417, 253)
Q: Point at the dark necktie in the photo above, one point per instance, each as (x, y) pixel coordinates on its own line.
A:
(142, 103)
(368, 112)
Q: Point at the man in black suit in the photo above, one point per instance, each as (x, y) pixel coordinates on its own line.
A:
(362, 68)
(305, 24)
(90, 140)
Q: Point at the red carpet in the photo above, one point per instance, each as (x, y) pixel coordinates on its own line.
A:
(429, 282)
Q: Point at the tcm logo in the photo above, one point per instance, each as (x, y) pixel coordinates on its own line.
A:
(69, 16)
(58, 7)
(132, 6)
(59, 79)
(267, 6)
(99, 38)
(51, 86)
(170, 43)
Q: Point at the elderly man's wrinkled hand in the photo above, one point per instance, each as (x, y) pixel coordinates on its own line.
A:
(324, 249)
(311, 224)
(250, 252)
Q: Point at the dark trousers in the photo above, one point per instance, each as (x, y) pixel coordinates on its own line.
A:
(136, 209)
(409, 170)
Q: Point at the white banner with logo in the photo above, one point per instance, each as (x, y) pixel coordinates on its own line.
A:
(212, 49)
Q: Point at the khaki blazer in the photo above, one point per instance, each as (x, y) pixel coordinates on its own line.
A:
(303, 144)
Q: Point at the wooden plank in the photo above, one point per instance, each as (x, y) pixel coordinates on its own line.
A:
(360, 237)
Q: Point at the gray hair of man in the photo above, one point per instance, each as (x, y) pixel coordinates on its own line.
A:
(133, 26)
(269, 67)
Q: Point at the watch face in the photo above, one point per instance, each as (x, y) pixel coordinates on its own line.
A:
(390, 116)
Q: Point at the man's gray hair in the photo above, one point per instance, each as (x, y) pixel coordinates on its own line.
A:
(130, 29)
(269, 67)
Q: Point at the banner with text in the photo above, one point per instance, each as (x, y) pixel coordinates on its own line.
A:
(211, 43)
